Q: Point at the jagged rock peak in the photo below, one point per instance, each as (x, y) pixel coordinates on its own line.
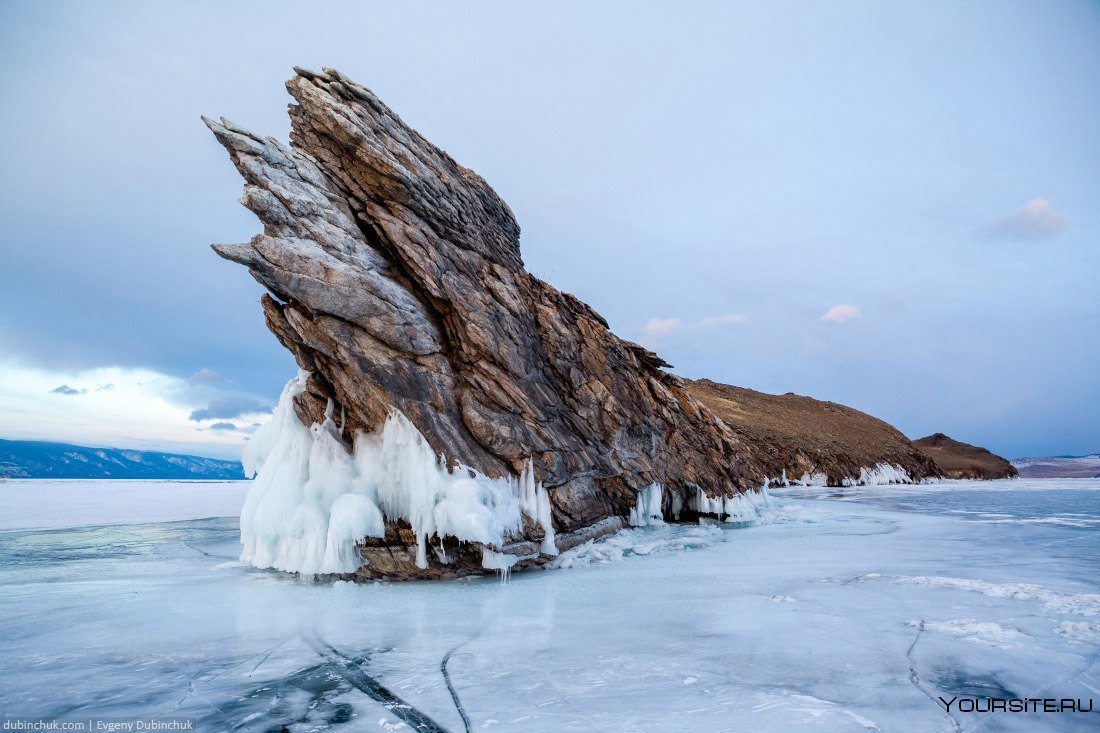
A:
(396, 279)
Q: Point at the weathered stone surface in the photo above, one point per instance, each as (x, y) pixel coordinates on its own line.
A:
(964, 461)
(396, 279)
(800, 435)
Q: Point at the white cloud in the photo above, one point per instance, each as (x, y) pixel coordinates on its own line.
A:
(657, 328)
(840, 314)
(143, 409)
(1035, 220)
(730, 318)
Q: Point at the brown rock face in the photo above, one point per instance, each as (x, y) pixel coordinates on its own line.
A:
(396, 280)
(801, 435)
(964, 461)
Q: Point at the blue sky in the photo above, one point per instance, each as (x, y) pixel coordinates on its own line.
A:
(891, 207)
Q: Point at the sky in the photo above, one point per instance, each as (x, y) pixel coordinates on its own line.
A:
(895, 207)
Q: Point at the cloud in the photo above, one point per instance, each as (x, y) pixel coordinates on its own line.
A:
(145, 409)
(1036, 220)
(840, 314)
(105, 387)
(659, 327)
(208, 377)
(223, 426)
(720, 320)
(229, 407)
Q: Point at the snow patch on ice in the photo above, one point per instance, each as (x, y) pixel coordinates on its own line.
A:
(313, 500)
(641, 541)
(1059, 520)
(814, 708)
(793, 513)
(1083, 604)
(1079, 632)
(985, 633)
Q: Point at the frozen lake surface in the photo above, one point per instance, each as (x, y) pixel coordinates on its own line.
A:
(847, 609)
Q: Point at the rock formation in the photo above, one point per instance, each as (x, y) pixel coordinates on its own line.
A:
(801, 436)
(396, 280)
(964, 461)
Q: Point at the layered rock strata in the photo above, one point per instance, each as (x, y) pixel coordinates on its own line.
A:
(395, 278)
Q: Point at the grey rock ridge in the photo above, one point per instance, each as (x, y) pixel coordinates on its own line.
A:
(395, 278)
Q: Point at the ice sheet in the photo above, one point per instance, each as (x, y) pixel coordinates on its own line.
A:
(57, 503)
(848, 613)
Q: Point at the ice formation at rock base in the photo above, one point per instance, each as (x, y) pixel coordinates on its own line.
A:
(314, 502)
(648, 509)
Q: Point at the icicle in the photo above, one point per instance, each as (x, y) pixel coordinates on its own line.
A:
(882, 474)
(677, 504)
(305, 511)
(745, 506)
(499, 561)
(313, 502)
(647, 509)
(536, 504)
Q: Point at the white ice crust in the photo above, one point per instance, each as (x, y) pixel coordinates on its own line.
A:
(312, 500)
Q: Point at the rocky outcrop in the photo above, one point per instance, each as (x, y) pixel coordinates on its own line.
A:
(964, 461)
(798, 436)
(396, 280)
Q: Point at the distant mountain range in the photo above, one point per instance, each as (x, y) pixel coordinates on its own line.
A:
(1059, 466)
(40, 459)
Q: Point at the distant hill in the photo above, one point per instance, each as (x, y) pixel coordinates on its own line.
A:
(40, 459)
(801, 435)
(1059, 466)
(962, 460)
